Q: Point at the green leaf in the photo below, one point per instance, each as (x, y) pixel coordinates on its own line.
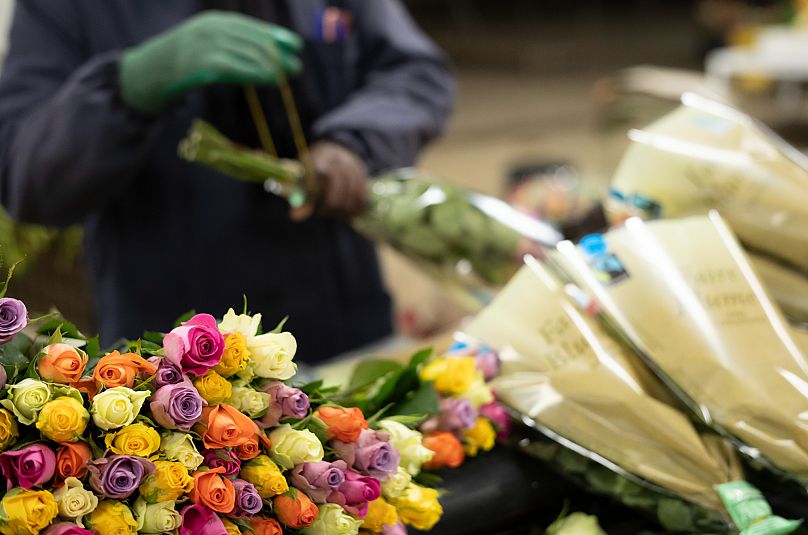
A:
(312, 387)
(15, 355)
(411, 421)
(185, 317)
(246, 312)
(279, 328)
(316, 426)
(409, 379)
(422, 402)
(60, 324)
(148, 347)
(92, 348)
(154, 337)
(429, 479)
(4, 287)
(370, 371)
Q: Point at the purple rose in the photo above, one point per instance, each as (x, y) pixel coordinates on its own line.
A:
(372, 454)
(356, 492)
(456, 414)
(118, 476)
(13, 318)
(284, 402)
(225, 458)
(396, 529)
(195, 346)
(28, 467)
(177, 406)
(317, 480)
(167, 373)
(248, 501)
(65, 528)
(499, 417)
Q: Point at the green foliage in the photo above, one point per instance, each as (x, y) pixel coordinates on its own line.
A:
(185, 317)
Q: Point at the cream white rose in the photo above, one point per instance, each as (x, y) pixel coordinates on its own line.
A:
(291, 447)
(333, 520)
(396, 484)
(117, 407)
(409, 444)
(74, 500)
(161, 517)
(179, 447)
(240, 323)
(271, 355)
(248, 400)
(26, 399)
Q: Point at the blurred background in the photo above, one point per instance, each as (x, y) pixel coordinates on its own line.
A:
(547, 87)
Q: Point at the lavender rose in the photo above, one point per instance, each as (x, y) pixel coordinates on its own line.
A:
(284, 402)
(318, 480)
(118, 476)
(167, 373)
(225, 458)
(248, 501)
(196, 345)
(177, 406)
(372, 454)
(13, 318)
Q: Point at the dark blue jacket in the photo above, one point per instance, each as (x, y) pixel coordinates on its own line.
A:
(164, 236)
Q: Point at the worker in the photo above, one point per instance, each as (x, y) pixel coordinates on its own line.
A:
(95, 96)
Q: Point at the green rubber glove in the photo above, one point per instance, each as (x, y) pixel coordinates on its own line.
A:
(212, 47)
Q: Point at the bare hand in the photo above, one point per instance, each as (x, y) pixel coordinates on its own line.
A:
(343, 182)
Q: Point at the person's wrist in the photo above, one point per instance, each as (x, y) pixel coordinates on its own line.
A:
(135, 89)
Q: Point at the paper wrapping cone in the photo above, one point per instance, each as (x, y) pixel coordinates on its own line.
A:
(705, 155)
(684, 293)
(560, 369)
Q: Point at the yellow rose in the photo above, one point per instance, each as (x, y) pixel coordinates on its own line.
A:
(8, 429)
(26, 512)
(74, 500)
(452, 375)
(395, 485)
(113, 518)
(235, 356)
(169, 481)
(160, 517)
(418, 507)
(63, 420)
(265, 475)
(380, 514)
(230, 528)
(214, 388)
(135, 439)
(479, 437)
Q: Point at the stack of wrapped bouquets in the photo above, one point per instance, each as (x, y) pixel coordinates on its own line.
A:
(196, 431)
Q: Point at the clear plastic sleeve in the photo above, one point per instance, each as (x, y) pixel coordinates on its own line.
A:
(687, 298)
(568, 379)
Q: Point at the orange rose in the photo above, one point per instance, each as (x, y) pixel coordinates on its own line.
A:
(265, 526)
(71, 459)
(115, 369)
(213, 490)
(62, 363)
(249, 450)
(343, 424)
(295, 509)
(448, 450)
(222, 426)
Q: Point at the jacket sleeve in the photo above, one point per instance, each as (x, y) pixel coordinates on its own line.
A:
(67, 143)
(405, 94)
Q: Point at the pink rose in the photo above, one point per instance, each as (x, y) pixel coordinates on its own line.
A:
(396, 529)
(65, 528)
(356, 492)
(199, 519)
(31, 466)
(195, 346)
(499, 417)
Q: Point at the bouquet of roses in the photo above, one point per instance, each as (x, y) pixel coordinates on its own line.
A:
(194, 431)
(447, 397)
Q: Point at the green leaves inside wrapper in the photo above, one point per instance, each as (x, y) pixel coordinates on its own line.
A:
(751, 512)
